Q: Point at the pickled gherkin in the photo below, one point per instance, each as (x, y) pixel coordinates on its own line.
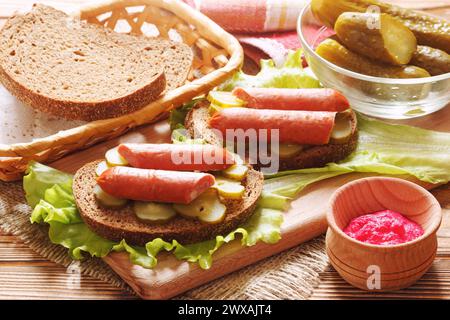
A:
(429, 31)
(339, 55)
(376, 36)
(435, 61)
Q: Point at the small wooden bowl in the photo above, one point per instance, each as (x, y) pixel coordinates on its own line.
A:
(382, 268)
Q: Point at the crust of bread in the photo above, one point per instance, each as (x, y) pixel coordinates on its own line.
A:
(118, 224)
(316, 156)
(87, 111)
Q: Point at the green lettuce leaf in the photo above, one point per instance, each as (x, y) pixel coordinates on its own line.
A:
(176, 121)
(78, 238)
(55, 205)
(138, 255)
(177, 116)
(181, 136)
(43, 177)
(289, 75)
(264, 225)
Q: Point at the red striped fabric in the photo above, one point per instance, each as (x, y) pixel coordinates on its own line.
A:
(236, 15)
(247, 20)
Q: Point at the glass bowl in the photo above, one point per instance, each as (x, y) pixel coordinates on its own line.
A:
(378, 97)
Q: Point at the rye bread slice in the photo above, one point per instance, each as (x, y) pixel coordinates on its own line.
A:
(71, 69)
(176, 57)
(314, 156)
(118, 224)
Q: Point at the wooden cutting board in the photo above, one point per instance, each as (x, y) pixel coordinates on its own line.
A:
(303, 221)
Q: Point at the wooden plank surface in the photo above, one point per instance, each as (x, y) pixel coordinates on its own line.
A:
(24, 274)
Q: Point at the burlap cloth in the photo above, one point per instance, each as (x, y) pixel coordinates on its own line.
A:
(292, 274)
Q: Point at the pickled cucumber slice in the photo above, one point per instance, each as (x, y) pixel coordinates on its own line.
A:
(215, 214)
(229, 189)
(435, 61)
(225, 99)
(339, 55)
(107, 200)
(113, 158)
(342, 130)
(236, 172)
(207, 208)
(213, 109)
(101, 167)
(429, 30)
(153, 212)
(289, 150)
(376, 36)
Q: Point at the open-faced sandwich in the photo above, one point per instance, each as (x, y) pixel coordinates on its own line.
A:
(315, 126)
(184, 192)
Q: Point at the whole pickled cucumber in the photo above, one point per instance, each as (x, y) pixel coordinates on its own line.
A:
(429, 31)
(339, 55)
(435, 61)
(376, 36)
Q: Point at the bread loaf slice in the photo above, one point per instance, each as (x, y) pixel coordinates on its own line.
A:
(312, 157)
(72, 69)
(118, 224)
(176, 57)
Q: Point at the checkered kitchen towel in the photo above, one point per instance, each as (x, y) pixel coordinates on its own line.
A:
(268, 25)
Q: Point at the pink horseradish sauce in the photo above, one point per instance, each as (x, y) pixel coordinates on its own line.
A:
(383, 228)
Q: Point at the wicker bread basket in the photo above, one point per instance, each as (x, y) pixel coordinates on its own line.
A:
(217, 56)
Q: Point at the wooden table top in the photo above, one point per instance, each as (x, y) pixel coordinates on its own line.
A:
(26, 275)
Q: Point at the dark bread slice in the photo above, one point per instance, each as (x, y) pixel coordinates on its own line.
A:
(315, 156)
(71, 69)
(176, 57)
(118, 224)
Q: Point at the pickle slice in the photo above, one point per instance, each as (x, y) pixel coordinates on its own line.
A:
(213, 109)
(215, 214)
(342, 130)
(113, 158)
(435, 61)
(339, 55)
(289, 150)
(101, 167)
(236, 172)
(229, 189)
(225, 99)
(376, 36)
(107, 200)
(153, 212)
(207, 208)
